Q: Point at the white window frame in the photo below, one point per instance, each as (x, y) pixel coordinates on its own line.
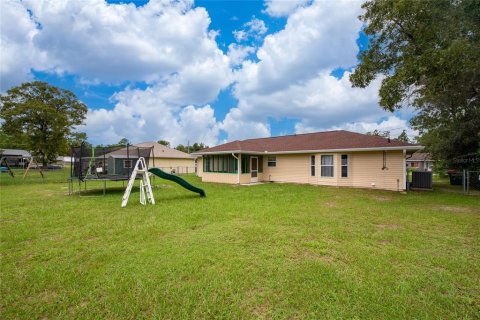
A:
(125, 166)
(270, 161)
(343, 165)
(329, 165)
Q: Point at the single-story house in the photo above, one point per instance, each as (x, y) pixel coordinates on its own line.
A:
(16, 157)
(62, 160)
(335, 158)
(420, 161)
(169, 159)
(120, 162)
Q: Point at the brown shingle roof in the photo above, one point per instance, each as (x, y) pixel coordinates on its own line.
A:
(329, 140)
(420, 156)
(161, 151)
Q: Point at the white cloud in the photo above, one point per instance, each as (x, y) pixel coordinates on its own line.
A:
(292, 77)
(164, 43)
(238, 53)
(256, 26)
(316, 38)
(240, 35)
(16, 49)
(142, 115)
(121, 42)
(253, 29)
(283, 8)
(239, 128)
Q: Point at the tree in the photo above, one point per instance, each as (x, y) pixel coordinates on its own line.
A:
(379, 133)
(164, 142)
(122, 142)
(182, 148)
(9, 142)
(42, 113)
(197, 147)
(428, 54)
(193, 148)
(403, 136)
(76, 138)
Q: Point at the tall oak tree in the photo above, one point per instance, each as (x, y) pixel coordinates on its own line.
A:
(43, 115)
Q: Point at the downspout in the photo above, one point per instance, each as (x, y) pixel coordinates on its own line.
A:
(404, 169)
(238, 167)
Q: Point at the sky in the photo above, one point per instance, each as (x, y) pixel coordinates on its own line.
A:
(204, 71)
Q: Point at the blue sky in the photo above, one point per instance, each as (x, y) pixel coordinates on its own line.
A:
(207, 71)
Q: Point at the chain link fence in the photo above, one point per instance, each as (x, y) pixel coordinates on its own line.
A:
(471, 180)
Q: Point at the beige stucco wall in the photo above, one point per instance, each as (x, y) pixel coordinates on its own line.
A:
(293, 168)
(171, 163)
(364, 171)
(368, 173)
(230, 178)
(200, 166)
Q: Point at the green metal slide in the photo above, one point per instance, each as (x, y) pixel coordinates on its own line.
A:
(162, 174)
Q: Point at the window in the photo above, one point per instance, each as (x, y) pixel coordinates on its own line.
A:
(245, 164)
(272, 161)
(326, 166)
(220, 163)
(127, 163)
(312, 166)
(344, 166)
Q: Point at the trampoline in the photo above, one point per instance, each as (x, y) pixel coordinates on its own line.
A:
(103, 164)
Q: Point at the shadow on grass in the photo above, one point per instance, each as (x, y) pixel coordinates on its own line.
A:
(135, 191)
(99, 191)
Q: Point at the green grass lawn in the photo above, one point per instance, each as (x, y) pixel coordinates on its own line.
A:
(278, 251)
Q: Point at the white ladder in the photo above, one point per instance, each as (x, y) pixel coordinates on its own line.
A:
(145, 186)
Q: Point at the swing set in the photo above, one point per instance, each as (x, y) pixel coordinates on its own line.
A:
(31, 162)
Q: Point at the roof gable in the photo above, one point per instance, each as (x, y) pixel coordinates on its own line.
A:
(161, 151)
(15, 152)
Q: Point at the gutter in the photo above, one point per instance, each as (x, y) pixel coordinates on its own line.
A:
(399, 148)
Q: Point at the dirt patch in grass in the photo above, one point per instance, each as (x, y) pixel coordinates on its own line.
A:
(385, 241)
(252, 293)
(309, 255)
(198, 226)
(381, 198)
(82, 305)
(390, 226)
(48, 296)
(27, 257)
(162, 186)
(8, 221)
(330, 204)
(259, 311)
(458, 209)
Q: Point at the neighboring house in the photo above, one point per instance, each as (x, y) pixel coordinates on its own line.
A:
(420, 161)
(169, 159)
(335, 158)
(62, 160)
(16, 157)
(121, 161)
